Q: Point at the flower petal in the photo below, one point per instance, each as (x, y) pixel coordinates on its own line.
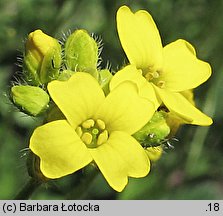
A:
(78, 98)
(120, 157)
(124, 110)
(182, 70)
(179, 105)
(131, 73)
(140, 38)
(154, 153)
(60, 150)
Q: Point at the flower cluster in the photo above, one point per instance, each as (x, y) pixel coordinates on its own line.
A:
(116, 121)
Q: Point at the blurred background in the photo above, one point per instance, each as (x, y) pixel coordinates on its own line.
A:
(192, 170)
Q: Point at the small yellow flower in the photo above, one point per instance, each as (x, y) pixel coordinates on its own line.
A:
(168, 70)
(96, 128)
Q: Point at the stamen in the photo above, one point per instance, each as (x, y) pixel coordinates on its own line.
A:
(100, 124)
(161, 84)
(79, 131)
(103, 137)
(152, 75)
(87, 138)
(149, 76)
(88, 124)
(155, 74)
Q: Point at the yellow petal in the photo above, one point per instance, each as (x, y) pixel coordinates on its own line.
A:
(180, 106)
(120, 157)
(154, 153)
(140, 38)
(124, 110)
(78, 98)
(134, 75)
(60, 149)
(182, 70)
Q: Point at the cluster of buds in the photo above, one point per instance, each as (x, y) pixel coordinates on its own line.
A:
(46, 59)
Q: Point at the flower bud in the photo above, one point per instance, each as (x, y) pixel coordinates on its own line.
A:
(81, 53)
(31, 100)
(154, 131)
(42, 58)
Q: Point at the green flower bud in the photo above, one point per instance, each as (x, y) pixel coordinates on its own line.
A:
(42, 58)
(104, 79)
(31, 100)
(154, 132)
(81, 53)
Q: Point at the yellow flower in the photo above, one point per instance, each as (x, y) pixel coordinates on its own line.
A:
(96, 128)
(168, 70)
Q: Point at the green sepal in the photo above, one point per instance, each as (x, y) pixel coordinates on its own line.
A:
(30, 69)
(81, 53)
(105, 77)
(65, 75)
(31, 100)
(50, 65)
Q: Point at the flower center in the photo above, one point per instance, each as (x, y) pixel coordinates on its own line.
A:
(92, 133)
(155, 77)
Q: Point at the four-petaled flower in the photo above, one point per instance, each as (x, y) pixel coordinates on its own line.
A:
(96, 129)
(167, 70)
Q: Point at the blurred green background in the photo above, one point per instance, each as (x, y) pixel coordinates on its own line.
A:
(193, 170)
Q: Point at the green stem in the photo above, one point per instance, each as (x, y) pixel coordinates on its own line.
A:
(28, 189)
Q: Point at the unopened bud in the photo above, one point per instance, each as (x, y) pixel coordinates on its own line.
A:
(42, 58)
(81, 53)
(31, 100)
(154, 132)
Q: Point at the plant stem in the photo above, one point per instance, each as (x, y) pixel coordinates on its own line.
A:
(28, 189)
